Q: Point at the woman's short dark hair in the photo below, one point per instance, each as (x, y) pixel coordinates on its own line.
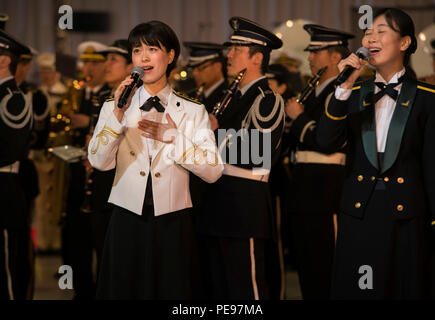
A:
(156, 34)
(406, 27)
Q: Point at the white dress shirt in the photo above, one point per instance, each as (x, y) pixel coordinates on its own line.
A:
(323, 85)
(246, 87)
(384, 108)
(153, 114)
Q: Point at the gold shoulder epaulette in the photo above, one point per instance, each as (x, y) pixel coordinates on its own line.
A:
(110, 99)
(426, 89)
(184, 96)
(356, 88)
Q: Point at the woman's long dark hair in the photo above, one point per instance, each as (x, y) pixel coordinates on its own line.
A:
(402, 23)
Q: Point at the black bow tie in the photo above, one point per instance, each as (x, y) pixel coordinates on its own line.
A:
(387, 89)
(152, 102)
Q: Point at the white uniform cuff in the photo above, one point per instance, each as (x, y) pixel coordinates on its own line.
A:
(342, 94)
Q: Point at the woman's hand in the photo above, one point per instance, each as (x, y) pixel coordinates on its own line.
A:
(164, 132)
(119, 112)
(355, 62)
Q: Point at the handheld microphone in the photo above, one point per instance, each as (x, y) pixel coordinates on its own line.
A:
(137, 73)
(362, 53)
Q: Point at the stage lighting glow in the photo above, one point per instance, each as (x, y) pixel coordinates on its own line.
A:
(422, 36)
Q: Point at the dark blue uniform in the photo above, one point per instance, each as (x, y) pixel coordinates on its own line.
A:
(15, 127)
(239, 210)
(314, 196)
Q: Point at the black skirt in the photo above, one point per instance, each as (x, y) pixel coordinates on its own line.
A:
(148, 257)
(378, 257)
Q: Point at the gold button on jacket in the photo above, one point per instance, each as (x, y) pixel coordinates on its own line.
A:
(142, 173)
(400, 180)
(358, 205)
(399, 207)
(157, 175)
(360, 178)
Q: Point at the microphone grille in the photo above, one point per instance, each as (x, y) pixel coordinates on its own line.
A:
(138, 70)
(363, 53)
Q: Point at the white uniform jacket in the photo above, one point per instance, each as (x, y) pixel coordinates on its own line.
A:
(121, 145)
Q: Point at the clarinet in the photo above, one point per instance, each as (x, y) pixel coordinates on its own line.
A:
(220, 107)
(311, 85)
(86, 206)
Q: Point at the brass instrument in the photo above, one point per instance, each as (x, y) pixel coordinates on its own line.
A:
(311, 85)
(220, 107)
(60, 124)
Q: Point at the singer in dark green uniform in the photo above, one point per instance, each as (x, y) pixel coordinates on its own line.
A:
(385, 246)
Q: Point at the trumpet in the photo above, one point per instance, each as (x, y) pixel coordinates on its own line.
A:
(220, 107)
(311, 85)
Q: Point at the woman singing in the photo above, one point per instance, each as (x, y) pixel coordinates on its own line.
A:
(153, 141)
(385, 246)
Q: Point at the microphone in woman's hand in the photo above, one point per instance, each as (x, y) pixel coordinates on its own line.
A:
(362, 53)
(137, 73)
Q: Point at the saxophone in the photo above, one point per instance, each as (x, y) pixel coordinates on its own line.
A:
(220, 107)
(311, 85)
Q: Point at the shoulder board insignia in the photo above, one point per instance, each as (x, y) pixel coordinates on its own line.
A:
(109, 99)
(184, 96)
(358, 84)
(426, 89)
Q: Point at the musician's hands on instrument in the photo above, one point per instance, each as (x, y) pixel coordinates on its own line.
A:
(353, 61)
(119, 112)
(293, 109)
(164, 132)
(213, 122)
(79, 120)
